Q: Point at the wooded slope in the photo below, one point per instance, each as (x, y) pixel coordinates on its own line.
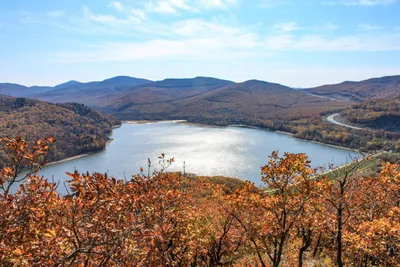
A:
(376, 114)
(232, 102)
(77, 128)
(384, 87)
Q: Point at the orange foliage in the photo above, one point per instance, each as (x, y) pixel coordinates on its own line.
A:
(165, 219)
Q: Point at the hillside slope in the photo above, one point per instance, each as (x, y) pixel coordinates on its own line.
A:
(376, 114)
(77, 128)
(384, 87)
(234, 102)
(166, 91)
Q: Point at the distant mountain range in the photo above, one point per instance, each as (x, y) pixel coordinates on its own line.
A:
(73, 91)
(222, 100)
(93, 92)
(134, 98)
(383, 88)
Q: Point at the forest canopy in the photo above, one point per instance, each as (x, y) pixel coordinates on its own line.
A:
(376, 114)
(77, 128)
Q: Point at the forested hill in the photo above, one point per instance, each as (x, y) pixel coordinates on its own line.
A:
(384, 87)
(375, 114)
(161, 93)
(77, 128)
(229, 103)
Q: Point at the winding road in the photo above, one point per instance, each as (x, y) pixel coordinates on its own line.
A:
(331, 119)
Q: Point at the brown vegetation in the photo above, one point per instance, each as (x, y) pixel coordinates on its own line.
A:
(376, 114)
(385, 87)
(77, 128)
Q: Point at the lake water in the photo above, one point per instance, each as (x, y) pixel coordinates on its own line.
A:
(227, 151)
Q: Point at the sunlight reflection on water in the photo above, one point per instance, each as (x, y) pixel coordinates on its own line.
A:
(233, 151)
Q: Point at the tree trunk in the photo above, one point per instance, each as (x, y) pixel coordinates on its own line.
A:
(339, 236)
(306, 244)
(317, 246)
(278, 257)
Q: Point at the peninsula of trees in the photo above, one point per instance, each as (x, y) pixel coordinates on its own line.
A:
(77, 128)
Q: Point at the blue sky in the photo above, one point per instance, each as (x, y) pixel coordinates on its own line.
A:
(296, 43)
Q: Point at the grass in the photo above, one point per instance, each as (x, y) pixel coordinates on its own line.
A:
(369, 166)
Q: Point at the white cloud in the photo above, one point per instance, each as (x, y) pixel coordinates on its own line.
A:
(187, 49)
(168, 6)
(279, 42)
(199, 39)
(192, 39)
(212, 39)
(212, 3)
(215, 35)
(133, 13)
(218, 3)
(202, 28)
(367, 27)
(361, 2)
(111, 20)
(356, 43)
(155, 49)
(107, 19)
(117, 6)
(370, 2)
(274, 3)
(286, 27)
(138, 13)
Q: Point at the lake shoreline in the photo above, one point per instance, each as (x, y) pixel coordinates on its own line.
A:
(69, 159)
(110, 140)
(156, 121)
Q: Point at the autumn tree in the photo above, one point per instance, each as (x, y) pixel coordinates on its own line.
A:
(374, 237)
(268, 217)
(338, 194)
(21, 155)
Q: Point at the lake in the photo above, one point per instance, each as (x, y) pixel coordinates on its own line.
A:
(211, 151)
